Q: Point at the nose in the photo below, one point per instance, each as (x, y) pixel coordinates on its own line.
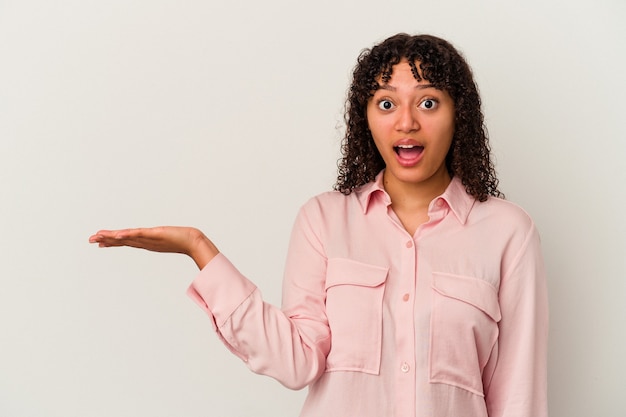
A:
(407, 120)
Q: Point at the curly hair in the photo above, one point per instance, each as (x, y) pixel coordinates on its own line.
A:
(443, 66)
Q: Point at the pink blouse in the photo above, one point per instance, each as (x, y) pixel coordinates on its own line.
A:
(451, 322)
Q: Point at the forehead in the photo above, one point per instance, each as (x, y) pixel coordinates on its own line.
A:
(401, 73)
(402, 68)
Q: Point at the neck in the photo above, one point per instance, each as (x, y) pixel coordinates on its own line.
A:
(415, 196)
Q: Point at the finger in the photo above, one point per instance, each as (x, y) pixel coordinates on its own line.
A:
(134, 243)
(138, 233)
(104, 242)
(102, 234)
(115, 234)
(138, 238)
(98, 237)
(124, 233)
(109, 237)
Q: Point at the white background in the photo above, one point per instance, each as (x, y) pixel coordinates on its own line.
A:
(227, 116)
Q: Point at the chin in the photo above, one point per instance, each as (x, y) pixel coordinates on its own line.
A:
(417, 176)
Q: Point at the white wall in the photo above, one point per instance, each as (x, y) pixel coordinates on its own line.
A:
(224, 115)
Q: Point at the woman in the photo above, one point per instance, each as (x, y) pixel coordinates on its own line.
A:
(414, 289)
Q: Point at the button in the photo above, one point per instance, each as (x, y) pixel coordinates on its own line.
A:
(405, 297)
(405, 367)
(409, 244)
(439, 203)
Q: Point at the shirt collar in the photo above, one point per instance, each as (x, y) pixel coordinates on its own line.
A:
(373, 190)
(455, 196)
(459, 201)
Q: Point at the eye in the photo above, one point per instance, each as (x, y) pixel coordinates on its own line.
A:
(429, 104)
(385, 104)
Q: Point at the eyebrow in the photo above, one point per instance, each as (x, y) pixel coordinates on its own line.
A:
(392, 88)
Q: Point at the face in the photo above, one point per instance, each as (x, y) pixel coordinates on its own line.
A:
(412, 124)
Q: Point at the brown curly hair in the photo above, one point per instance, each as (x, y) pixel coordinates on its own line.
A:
(444, 67)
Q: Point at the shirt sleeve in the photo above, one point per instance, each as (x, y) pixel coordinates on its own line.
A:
(518, 385)
(288, 344)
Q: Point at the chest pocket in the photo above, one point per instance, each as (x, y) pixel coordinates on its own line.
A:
(463, 330)
(354, 307)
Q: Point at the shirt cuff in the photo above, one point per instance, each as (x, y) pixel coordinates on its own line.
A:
(219, 289)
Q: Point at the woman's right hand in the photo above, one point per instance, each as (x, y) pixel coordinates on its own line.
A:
(186, 240)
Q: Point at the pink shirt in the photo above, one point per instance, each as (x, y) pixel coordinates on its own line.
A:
(451, 322)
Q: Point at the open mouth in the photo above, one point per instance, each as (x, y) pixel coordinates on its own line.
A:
(408, 151)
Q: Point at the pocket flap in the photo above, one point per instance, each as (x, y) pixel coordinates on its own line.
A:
(474, 291)
(342, 271)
